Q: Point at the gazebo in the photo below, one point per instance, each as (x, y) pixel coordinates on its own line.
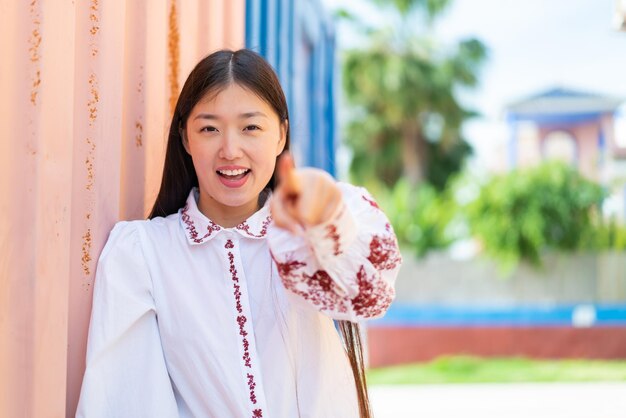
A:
(565, 124)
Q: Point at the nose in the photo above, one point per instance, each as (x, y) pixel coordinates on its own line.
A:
(230, 146)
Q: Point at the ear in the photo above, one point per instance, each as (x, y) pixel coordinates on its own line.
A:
(183, 135)
(284, 127)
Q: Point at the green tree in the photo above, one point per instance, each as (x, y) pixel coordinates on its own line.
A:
(405, 116)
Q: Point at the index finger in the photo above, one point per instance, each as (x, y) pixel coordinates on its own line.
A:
(287, 178)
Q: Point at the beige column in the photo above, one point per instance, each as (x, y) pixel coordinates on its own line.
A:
(98, 90)
(36, 114)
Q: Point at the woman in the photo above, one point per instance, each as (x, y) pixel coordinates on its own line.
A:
(221, 304)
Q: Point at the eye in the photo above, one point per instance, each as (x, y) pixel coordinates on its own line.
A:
(209, 129)
(252, 128)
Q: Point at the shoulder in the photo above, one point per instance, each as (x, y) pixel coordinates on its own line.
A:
(129, 235)
(122, 266)
(123, 239)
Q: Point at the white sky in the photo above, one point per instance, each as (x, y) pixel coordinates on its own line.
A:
(533, 45)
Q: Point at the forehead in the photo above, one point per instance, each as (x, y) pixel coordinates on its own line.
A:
(234, 99)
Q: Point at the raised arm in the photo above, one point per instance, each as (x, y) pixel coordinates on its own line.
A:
(344, 263)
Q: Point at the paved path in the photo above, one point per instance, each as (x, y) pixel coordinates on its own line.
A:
(527, 400)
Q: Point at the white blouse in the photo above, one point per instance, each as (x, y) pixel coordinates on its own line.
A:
(191, 319)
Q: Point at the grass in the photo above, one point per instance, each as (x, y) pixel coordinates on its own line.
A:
(463, 369)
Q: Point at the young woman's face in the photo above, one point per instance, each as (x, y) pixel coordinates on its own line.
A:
(233, 138)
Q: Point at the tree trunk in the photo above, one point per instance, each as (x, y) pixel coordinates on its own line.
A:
(414, 151)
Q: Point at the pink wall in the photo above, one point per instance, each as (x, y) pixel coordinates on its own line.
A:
(87, 88)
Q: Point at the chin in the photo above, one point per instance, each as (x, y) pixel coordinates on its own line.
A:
(236, 201)
(235, 198)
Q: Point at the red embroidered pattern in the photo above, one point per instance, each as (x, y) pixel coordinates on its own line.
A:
(193, 233)
(323, 292)
(252, 385)
(384, 254)
(241, 321)
(370, 201)
(374, 297)
(331, 233)
(319, 288)
(287, 268)
(246, 228)
(375, 294)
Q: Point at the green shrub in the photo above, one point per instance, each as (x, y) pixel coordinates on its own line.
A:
(605, 235)
(421, 216)
(518, 215)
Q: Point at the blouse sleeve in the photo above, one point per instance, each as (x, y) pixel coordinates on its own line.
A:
(345, 268)
(125, 375)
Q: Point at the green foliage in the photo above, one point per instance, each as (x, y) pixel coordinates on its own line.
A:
(520, 214)
(405, 116)
(420, 215)
(445, 163)
(605, 235)
(516, 216)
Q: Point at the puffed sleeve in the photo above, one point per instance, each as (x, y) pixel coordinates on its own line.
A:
(125, 374)
(346, 267)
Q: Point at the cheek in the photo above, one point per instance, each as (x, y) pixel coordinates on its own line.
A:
(266, 161)
(270, 157)
(272, 166)
(201, 158)
(200, 151)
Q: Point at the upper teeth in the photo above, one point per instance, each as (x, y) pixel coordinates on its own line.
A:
(233, 172)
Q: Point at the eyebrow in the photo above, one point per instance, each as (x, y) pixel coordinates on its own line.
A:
(246, 115)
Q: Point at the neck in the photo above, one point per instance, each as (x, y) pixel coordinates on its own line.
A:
(225, 216)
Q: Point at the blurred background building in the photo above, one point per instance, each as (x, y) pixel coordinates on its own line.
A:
(577, 128)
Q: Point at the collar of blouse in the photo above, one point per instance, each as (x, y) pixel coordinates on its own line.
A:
(200, 229)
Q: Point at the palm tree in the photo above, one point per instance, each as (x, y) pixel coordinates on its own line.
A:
(405, 118)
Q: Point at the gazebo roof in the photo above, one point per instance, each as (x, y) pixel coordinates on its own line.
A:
(562, 101)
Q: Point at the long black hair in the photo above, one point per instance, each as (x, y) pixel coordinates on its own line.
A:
(211, 75)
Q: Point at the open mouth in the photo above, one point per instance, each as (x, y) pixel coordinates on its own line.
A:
(233, 175)
(233, 178)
